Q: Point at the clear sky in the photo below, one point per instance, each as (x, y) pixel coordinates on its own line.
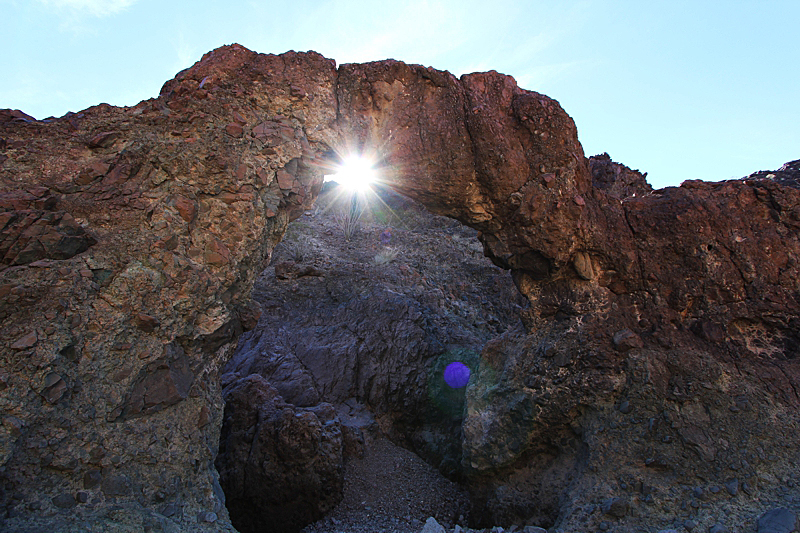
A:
(679, 89)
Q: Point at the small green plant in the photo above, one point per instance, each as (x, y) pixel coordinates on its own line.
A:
(298, 250)
(349, 218)
(386, 256)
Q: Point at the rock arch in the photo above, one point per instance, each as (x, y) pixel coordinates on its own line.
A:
(132, 236)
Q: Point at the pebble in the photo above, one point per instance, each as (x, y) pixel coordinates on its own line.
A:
(689, 525)
(718, 528)
(617, 507)
(26, 341)
(64, 501)
(732, 487)
(432, 526)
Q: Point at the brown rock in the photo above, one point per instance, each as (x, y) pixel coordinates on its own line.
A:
(204, 417)
(163, 383)
(234, 130)
(299, 455)
(26, 341)
(146, 323)
(625, 340)
(186, 208)
(285, 180)
(103, 140)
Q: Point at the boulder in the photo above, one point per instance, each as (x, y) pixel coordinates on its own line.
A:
(281, 466)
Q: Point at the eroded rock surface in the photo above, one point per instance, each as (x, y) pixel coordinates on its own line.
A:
(131, 238)
(655, 383)
(283, 464)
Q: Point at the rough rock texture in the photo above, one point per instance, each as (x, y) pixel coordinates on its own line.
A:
(615, 179)
(283, 465)
(655, 382)
(367, 323)
(130, 242)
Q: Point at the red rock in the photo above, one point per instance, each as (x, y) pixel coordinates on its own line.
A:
(264, 130)
(217, 254)
(147, 323)
(234, 130)
(239, 118)
(103, 140)
(241, 172)
(263, 176)
(186, 208)
(26, 341)
(285, 180)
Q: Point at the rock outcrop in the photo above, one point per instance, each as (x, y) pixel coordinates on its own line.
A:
(655, 382)
(131, 239)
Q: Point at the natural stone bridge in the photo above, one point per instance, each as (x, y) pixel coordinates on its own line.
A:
(131, 238)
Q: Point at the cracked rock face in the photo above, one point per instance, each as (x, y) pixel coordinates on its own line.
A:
(658, 361)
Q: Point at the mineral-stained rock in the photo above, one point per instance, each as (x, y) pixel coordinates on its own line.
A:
(278, 462)
(131, 238)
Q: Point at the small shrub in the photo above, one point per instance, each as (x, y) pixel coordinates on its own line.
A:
(386, 256)
(349, 219)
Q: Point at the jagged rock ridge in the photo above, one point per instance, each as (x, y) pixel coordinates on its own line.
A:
(658, 360)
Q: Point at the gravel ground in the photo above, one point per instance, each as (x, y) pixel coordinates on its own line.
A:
(392, 490)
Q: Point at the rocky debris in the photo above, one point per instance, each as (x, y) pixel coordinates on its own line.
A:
(281, 467)
(390, 489)
(291, 270)
(181, 200)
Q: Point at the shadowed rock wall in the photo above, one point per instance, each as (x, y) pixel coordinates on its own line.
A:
(131, 238)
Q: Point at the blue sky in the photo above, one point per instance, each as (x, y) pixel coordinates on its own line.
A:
(679, 89)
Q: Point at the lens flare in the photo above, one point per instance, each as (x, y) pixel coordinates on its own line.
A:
(356, 173)
(456, 375)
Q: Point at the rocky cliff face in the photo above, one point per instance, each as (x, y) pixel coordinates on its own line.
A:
(655, 381)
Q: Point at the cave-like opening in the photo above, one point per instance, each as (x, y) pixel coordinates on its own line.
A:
(361, 315)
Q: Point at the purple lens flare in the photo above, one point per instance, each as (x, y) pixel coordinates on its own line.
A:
(456, 375)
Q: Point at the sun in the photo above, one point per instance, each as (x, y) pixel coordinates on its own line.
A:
(356, 173)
